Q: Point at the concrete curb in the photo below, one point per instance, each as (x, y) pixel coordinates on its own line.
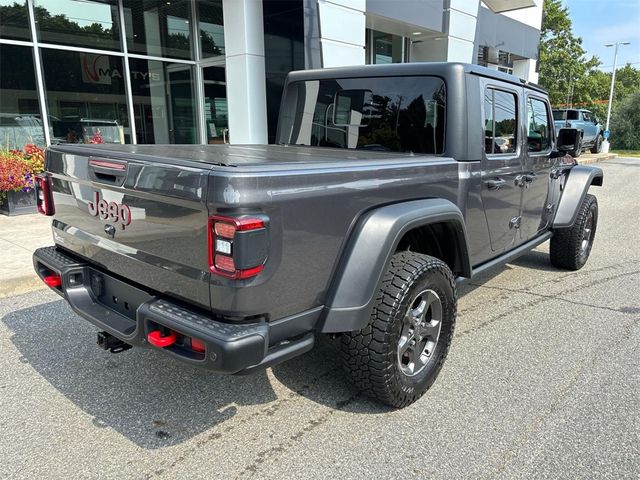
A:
(596, 157)
(20, 285)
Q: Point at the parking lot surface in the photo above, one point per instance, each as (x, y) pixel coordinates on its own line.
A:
(542, 381)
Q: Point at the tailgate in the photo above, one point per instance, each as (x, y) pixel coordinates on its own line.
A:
(143, 220)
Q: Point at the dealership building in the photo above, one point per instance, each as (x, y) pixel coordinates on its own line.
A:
(212, 71)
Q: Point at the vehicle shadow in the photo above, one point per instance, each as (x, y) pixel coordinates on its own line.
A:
(155, 401)
(146, 396)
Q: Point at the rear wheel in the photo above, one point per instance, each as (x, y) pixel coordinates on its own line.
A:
(399, 354)
(570, 248)
(597, 146)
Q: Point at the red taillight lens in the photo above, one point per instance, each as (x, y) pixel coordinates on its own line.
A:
(222, 262)
(44, 196)
(224, 230)
(233, 241)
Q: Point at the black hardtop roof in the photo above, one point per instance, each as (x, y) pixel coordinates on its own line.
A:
(441, 69)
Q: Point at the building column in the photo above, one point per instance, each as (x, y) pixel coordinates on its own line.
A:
(245, 71)
(459, 24)
(342, 32)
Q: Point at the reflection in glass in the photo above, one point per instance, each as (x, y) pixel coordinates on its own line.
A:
(14, 20)
(20, 120)
(163, 101)
(211, 28)
(500, 122)
(90, 23)
(215, 105)
(387, 48)
(85, 97)
(539, 131)
(158, 28)
(388, 114)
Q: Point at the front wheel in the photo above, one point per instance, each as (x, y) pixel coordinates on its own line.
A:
(399, 354)
(597, 146)
(570, 248)
(578, 151)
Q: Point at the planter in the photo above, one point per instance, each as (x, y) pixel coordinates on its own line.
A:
(18, 203)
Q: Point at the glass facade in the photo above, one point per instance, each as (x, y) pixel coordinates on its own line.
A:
(20, 118)
(114, 71)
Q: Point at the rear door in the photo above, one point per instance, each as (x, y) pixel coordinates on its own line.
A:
(502, 163)
(538, 164)
(142, 220)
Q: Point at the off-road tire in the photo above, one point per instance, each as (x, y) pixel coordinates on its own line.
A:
(566, 249)
(370, 356)
(597, 146)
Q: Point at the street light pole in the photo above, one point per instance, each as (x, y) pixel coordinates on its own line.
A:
(605, 143)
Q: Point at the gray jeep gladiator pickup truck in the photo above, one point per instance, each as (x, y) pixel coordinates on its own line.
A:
(390, 184)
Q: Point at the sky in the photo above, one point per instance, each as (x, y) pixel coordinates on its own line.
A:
(600, 22)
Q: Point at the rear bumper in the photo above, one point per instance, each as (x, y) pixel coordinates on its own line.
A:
(130, 314)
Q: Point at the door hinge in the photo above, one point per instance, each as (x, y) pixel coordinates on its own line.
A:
(515, 222)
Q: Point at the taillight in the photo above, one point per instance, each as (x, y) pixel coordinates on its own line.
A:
(237, 246)
(44, 195)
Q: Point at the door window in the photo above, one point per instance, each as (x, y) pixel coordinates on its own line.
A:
(538, 130)
(586, 116)
(500, 122)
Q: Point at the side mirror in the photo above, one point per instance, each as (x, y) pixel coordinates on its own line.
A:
(568, 140)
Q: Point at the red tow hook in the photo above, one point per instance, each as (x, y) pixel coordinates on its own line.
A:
(156, 338)
(52, 281)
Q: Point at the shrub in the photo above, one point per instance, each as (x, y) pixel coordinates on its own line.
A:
(18, 169)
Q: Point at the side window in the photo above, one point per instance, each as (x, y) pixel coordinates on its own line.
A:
(586, 116)
(539, 126)
(573, 115)
(500, 122)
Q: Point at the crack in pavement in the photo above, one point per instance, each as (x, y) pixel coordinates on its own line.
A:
(269, 410)
(541, 298)
(554, 405)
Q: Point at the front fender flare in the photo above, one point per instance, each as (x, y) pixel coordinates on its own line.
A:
(575, 188)
(368, 253)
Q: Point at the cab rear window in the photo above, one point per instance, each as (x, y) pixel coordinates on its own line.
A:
(396, 114)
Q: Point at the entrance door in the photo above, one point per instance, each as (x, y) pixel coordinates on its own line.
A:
(216, 115)
(501, 165)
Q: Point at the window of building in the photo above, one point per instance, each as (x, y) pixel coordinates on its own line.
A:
(404, 114)
(89, 23)
(85, 97)
(14, 20)
(385, 48)
(211, 28)
(20, 118)
(500, 121)
(216, 111)
(163, 101)
(539, 130)
(159, 28)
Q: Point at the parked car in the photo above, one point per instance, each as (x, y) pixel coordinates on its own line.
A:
(237, 258)
(591, 131)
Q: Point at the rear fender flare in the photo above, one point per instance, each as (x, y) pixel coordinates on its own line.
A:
(368, 253)
(575, 188)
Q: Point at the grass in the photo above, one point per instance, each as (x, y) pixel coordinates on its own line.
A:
(627, 153)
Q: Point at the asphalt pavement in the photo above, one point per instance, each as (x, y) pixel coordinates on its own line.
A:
(542, 381)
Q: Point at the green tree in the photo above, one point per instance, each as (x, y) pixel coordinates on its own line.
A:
(625, 123)
(564, 66)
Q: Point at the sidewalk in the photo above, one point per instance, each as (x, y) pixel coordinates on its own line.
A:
(587, 158)
(19, 237)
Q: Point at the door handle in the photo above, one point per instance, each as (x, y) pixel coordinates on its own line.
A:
(495, 183)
